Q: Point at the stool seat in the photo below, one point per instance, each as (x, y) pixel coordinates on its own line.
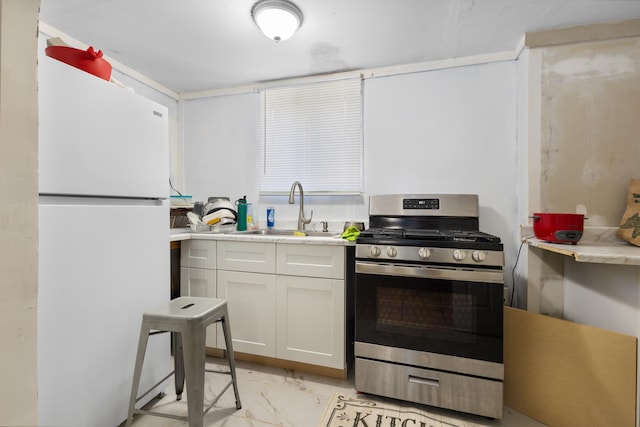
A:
(182, 310)
(187, 318)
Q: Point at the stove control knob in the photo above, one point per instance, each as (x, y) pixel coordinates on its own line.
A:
(392, 252)
(459, 255)
(479, 256)
(374, 251)
(424, 253)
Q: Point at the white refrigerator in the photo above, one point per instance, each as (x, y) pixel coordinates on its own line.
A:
(103, 244)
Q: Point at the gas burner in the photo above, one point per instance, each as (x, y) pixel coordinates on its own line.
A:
(428, 235)
(425, 234)
(472, 236)
(395, 233)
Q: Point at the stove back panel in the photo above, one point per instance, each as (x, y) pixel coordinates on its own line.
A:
(446, 205)
(425, 222)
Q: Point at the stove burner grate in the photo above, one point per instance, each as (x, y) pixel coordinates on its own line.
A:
(430, 235)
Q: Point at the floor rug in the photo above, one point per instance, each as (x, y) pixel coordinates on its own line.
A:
(345, 411)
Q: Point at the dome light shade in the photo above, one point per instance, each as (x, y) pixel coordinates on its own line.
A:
(277, 19)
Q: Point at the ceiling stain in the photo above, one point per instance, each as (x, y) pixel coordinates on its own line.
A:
(325, 56)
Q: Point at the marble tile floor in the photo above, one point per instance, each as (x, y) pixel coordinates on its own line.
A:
(279, 397)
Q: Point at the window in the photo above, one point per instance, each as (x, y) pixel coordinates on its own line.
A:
(312, 134)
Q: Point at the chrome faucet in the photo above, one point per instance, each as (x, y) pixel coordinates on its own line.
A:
(301, 219)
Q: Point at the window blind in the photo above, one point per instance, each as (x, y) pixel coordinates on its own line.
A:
(312, 134)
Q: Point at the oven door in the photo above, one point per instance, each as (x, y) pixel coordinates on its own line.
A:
(450, 311)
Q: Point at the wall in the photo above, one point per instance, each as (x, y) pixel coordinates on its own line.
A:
(584, 95)
(18, 211)
(446, 131)
(603, 295)
(219, 154)
(443, 131)
(589, 146)
(518, 293)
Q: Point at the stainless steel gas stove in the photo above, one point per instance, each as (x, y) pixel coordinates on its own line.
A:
(429, 301)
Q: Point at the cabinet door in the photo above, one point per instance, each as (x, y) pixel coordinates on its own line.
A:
(200, 282)
(311, 260)
(251, 301)
(255, 257)
(198, 254)
(311, 318)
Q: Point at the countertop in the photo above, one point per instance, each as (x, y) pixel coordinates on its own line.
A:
(180, 234)
(598, 245)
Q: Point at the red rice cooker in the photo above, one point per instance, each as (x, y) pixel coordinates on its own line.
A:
(558, 227)
(88, 60)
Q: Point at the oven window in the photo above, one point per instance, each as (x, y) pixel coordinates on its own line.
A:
(433, 311)
(440, 316)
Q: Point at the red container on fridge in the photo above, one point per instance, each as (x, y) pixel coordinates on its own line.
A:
(558, 227)
(88, 60)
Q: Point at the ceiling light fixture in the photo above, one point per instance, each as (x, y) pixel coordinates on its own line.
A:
(277, 19)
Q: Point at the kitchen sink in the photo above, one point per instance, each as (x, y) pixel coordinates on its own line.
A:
(285, 232)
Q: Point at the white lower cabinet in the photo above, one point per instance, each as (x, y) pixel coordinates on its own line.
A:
(198, 275)
(311, 320)
(197, 282)
(251, 301)
(285, 301)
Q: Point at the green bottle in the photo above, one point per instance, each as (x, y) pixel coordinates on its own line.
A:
(242, 213)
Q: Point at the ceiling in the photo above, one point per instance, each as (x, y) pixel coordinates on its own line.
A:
(195, 45)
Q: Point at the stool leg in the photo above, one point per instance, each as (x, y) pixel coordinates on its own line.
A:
(226, 328)
(178, 364)
(142, 348)
(193, 345)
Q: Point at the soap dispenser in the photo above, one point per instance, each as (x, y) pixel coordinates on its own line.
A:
(242, 213)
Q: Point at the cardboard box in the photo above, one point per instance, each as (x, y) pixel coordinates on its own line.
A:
(566, 374)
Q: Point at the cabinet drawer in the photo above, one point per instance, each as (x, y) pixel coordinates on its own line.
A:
(254, 257)
(311, 260)
(198, 254)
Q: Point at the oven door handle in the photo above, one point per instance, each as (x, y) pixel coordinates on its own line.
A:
(430, 272)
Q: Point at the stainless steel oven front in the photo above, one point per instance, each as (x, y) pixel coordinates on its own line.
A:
(430, 333)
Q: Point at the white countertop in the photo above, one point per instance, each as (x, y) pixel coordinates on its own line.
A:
(598, 245)
(180, 234)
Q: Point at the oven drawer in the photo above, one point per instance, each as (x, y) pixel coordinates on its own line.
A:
(446, 390)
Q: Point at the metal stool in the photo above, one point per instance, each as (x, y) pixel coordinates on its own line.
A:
(187, 319)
